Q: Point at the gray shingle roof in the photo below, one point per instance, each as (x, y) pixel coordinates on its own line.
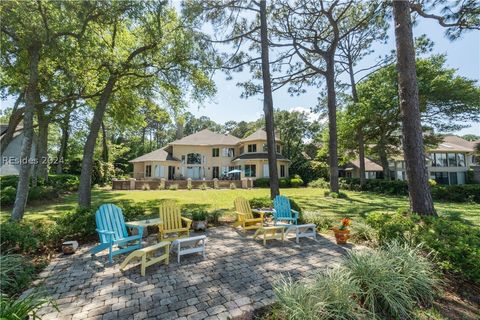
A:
(207, 138)
(454, 143)
(157, 155)
(259, 135)
(369, 165)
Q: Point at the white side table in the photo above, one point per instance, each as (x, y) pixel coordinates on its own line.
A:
(302, 231)
(189, 245)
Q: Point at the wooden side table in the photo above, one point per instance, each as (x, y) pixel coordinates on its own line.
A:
(270, 233)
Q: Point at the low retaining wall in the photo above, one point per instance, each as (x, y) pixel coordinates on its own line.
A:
(159, 184)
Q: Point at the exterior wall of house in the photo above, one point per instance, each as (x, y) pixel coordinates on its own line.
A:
(11, 156)
(261, 168)
(442, 171)
(260, 146)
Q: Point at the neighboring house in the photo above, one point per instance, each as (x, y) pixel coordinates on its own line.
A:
(352, 169)
(448, 163)
(10, 162)
(208, 155)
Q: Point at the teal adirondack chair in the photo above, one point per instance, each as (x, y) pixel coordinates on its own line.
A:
(112, 231)
(283, 211)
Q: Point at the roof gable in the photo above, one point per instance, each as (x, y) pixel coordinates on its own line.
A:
(156, 155)
(260, 134)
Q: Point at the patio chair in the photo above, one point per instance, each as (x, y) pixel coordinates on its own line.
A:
(282, 211)
(245, 217)
(172, 222)
(112, 231)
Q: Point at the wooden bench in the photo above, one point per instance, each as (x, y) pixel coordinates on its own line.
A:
(302, 231)
(185, 246)
(147, 256)
(270, 233)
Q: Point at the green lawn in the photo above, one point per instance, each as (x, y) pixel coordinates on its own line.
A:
(308, 198)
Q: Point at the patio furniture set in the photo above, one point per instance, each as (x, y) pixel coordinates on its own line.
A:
(174, 231)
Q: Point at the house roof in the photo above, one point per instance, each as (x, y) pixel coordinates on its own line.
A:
(207, 138)
(454, 143)
(157, 155)
(257, 156)
(259, 135)
(369, 165)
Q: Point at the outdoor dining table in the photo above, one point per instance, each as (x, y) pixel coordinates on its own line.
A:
(145, 223)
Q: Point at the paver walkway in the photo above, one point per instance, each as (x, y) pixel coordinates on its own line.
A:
(234, 279)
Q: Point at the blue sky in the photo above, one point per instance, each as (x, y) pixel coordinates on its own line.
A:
(462, 54)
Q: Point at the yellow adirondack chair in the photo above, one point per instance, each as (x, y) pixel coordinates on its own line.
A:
(245, 217)
(172, 222)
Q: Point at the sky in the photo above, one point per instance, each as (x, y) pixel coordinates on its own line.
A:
(462, 54)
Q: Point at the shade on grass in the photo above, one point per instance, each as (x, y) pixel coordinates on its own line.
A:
(310, 199)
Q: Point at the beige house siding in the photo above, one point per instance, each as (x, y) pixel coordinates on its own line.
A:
(179, 150)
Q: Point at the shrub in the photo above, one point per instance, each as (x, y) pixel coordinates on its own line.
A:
(333, 195)
(319, 183)
(456, 245)
(173, 187)
(323, 223)
(329, 296)
(284, 183)
(78, 224)
(457, 193)
(16, 273)
(362, 232)
(7, 195)
(261, 183)
(20, 237)
(398, 226)
(260, 203)
(65, 182)
(296, 182)
(42, 192)
(199, 215)
(214, 216)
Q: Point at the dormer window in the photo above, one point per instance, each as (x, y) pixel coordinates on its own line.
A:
(252, 148)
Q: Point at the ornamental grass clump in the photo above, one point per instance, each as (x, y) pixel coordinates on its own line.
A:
(329, 295)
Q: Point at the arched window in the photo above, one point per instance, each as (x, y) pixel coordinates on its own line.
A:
(194, 158)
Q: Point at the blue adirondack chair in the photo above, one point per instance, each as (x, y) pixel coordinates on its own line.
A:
(283, 212)
(112, 231)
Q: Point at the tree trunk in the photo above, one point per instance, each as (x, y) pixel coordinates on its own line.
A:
(417, 174)
(30, 100)
(62, 152)
(84, 190)
(41, 169)
(360, 138)
(332, 123)
(104, 144)
(13, 122)
(382, 154)
(268, 103)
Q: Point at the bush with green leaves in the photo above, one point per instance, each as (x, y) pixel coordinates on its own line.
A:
(296, 182)
(263, 202)
(456, 245)
(319, 183)
(200, 215)
(21, 237)
(362, 232)
(261, 183)
(323, 223)
(401, 226)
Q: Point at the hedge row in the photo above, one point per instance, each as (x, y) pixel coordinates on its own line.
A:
(453, 193)
(283, 182)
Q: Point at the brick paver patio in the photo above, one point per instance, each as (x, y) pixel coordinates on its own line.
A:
(234, 279)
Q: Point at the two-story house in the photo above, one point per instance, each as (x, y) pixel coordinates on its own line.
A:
(208, 155)
(447, 163)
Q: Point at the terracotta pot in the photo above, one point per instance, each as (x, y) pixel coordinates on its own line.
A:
(341, 235)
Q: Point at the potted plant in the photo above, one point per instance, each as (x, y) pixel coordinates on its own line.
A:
(199, 220)
(342, 233)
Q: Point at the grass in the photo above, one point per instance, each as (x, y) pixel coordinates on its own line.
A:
(309, 199)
